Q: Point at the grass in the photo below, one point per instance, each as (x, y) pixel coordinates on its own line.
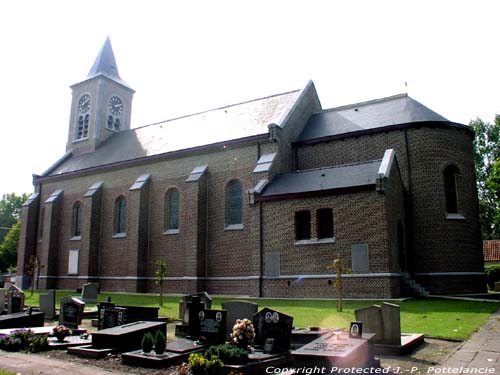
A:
(3, 372)
(442, 318)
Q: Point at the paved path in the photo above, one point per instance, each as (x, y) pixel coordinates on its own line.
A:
(26, 364)
(481, 351)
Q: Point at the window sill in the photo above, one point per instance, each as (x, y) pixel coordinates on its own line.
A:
(315, 241)
(234, 227)
(455, 217)
(171, 231)
(80, 139)
(119, 235)
(76, 238)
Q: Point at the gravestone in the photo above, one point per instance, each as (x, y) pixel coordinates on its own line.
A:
(272, 324)
(22, 320)
(184, 308)
(392, 323)
(238, 310)
(126, 337)
(109, 315)
(48, 304)
(90, 292)
(15, 300)
(212, 326)
(71, 312)
(371, 317)
(194, 307)
(333, 352)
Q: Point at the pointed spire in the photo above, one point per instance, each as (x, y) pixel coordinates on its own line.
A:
(105, 63)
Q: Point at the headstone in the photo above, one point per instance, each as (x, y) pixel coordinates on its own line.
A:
(21, 320)
(194, 307)
(90, 292)
(371, 317)
(48, 304)
(126, 337)
(212, 326)
(183, 305)
(71, 312)
(269, 323)
(238, 310)
(15, 300)
(359, 258)
(392, 323)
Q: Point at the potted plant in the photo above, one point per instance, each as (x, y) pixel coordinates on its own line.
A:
(61, 332)
(160, 342)
(147, 342)
(243, 333)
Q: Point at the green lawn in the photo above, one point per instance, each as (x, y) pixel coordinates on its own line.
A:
(450, 319)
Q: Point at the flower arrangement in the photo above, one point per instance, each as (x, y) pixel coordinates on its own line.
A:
(243, 332)
(61, 332)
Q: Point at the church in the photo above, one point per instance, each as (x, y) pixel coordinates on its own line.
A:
(256, 198)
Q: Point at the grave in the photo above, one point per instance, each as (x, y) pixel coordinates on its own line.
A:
(212, 326)
(48, 304)
(385, 322)
(70, 341)
(90, 292)
(258, 364)
(22, 320)
(271, 324)
(194, 307)
(238, 310)
(334, 351)
(110, 315)
(125, 337)
(182, 329)
(71, 312)
(302, 336)
(176, 352)
(15, 300)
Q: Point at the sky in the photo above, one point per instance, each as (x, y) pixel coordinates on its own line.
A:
(183, 57)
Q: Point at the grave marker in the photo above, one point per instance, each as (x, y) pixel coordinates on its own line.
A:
(71, 312)
(269, 323)
(238, 310)
(15, 300)
(90, 292)
(194, 307)
(48, 304)
(213, 326)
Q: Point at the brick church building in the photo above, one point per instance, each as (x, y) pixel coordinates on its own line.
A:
(256, 198)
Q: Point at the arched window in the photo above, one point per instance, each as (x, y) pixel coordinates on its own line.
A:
(172, 210)
(76, 226)
(450, 187)
(120, 216)
(234, 203)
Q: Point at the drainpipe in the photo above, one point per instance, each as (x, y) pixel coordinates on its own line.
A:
(409, 207)
(261, 250)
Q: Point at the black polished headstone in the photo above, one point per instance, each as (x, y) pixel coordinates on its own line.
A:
(212, 326)
(270, 323)
(194, 307)
(71, 312)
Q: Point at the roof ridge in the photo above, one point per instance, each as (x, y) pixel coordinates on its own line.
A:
(216, 109)
(335, 166)
(368, 102)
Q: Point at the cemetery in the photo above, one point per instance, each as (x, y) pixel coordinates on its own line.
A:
(241, 337)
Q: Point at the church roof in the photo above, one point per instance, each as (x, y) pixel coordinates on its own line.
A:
(323, 179)
(210, 127)
(105, 64)
(394, 110)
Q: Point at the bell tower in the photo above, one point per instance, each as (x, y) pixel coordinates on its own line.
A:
(101, 105)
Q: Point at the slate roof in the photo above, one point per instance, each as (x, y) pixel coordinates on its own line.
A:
(219, 125)
(394, 110)
(317, 180)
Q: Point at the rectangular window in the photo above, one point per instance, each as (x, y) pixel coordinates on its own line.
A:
(303, 225)
(324, 222)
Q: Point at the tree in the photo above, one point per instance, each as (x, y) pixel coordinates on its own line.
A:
(339, 269)
(10, 212)
(8, 249)
(493, 186)
(161, 272)
(486, 153)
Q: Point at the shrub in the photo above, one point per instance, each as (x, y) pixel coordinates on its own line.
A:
(24, 340)
(492, 275)
(228, 354)
(160, 342)
(199, 365)
(147, 342)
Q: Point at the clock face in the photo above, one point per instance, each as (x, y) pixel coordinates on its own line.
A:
(115, 106)
(84, 103)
